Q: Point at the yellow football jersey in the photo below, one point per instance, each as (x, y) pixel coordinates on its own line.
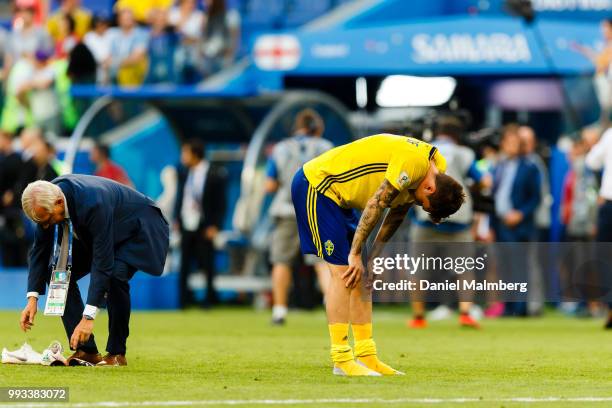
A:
(351, 174)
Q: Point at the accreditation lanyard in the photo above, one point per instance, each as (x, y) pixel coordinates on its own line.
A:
(57, 248)
(60, 277)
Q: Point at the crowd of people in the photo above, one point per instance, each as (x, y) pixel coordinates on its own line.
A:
(509, 200)
(140, 42)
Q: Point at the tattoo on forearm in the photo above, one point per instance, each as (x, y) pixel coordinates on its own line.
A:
(382, 199)
(392, 221)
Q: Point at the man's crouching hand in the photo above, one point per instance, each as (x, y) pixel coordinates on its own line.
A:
(27, 316)
(353, 274)
(81, 333)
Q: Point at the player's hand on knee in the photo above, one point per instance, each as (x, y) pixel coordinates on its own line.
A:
(353, 274)
(27, 315)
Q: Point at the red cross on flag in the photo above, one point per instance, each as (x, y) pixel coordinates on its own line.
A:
(277, 52)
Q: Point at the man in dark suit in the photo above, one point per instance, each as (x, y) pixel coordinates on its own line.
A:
(117, 231)
(516, 189)
(199, 211)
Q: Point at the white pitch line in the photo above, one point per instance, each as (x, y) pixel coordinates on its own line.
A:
(117, 404)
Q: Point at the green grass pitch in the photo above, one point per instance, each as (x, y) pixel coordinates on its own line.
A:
(234, 354)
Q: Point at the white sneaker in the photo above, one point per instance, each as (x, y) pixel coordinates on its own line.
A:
(25, 355)
(52, 356)
(340, 372)
(441, 312)
(11, 358)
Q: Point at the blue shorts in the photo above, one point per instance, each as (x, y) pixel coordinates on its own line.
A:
(326, 230)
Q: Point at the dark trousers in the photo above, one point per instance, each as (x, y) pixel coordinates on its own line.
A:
(604, 222)
(515, 262)
(604, 234)
(199, 252)
(117, 302)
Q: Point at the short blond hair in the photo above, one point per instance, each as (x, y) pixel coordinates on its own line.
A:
(42, 194)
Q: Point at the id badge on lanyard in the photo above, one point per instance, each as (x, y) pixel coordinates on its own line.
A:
(60, 273)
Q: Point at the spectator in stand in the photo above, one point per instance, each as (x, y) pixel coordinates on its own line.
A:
(99, 43)
(127, 65)
(38, 94)
(600, 159)
(105, 167)
(162, 44)
(12, 232)
(80, 16)
(68, 38)
(188, 22)
(516, 188)
(14, 115)
(221, 36)
(40, 8)
(25, 39)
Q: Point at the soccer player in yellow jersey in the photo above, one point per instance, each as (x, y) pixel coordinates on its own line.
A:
(368, 175)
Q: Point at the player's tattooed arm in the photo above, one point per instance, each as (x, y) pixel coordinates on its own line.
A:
(382, 199)
(393, 220)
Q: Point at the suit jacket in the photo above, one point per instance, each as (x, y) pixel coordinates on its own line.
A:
(113, 222)
(213, 197)
(525, 195)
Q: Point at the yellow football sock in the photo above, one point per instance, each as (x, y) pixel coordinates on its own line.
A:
(362, 332)
(365, 350)
(340, 349)
(341, 352)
